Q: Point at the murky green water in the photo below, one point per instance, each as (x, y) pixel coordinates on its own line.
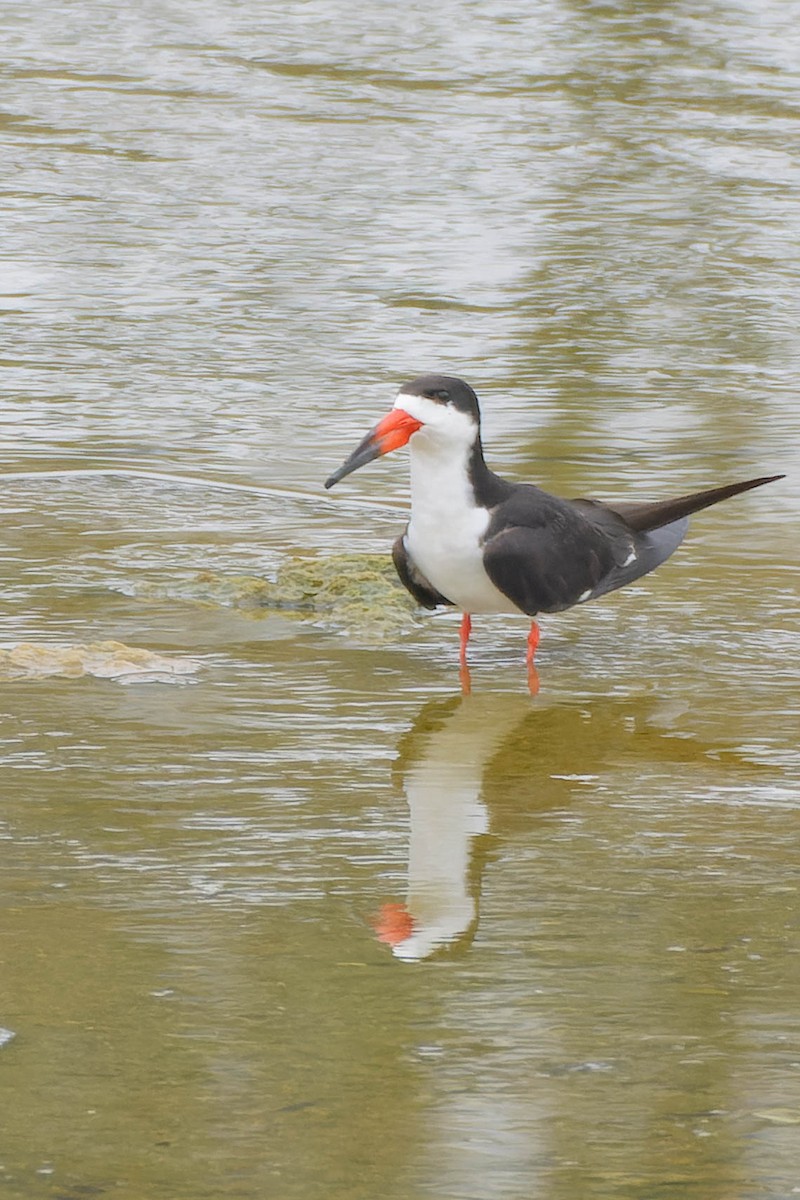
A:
(311, 923)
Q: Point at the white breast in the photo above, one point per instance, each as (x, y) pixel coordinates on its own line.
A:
(446, 530)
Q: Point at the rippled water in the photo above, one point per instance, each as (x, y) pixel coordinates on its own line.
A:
(316, 924)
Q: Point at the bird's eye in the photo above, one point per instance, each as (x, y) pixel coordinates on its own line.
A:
(441, 394)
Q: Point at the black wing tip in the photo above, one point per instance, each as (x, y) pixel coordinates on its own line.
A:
(749, 484)
(746, 484)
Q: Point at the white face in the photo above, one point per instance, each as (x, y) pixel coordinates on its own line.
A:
(440, 422)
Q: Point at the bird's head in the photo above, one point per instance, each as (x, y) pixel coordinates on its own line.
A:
(436, 408)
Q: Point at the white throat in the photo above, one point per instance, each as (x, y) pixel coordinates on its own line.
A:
(441, 492)
(447, 527)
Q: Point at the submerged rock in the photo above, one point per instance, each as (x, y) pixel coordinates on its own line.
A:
(103, 660)
(359, 593)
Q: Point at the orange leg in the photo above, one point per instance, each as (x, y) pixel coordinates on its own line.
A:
(466, 629)
(533, 674)
(463, 674)
(533, 642)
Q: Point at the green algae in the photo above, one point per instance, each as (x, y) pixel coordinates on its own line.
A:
(356, 593)
(103, 660)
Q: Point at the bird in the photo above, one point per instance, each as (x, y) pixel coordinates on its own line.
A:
(484, 544)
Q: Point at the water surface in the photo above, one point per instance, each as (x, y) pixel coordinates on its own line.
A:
(316, 924)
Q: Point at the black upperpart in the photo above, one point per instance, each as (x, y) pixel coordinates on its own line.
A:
(445, 389)
(490, 489)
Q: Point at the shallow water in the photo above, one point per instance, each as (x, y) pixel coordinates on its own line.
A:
(314, 923)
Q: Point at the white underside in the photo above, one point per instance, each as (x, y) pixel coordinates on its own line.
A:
(446, 529)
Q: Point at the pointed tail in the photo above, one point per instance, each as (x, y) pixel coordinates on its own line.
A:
(653, 515)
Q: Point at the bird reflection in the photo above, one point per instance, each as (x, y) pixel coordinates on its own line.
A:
(440, 765)
(475, 768)
(465, 678)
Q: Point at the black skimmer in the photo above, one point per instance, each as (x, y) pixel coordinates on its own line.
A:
(482, 544)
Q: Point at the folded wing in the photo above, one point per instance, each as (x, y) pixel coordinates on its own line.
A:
(412, 578)
(547, 554)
